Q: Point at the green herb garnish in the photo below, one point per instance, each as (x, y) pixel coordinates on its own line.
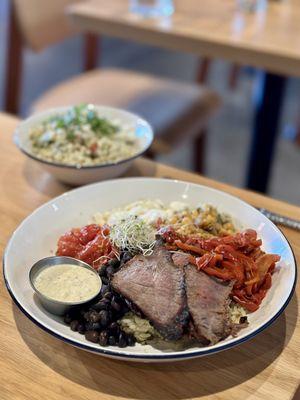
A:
(83, 115)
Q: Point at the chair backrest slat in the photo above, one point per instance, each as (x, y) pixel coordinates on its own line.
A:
(42, 23)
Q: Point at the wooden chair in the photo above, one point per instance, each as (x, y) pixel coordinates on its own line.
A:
(204, 69)
(176, 110)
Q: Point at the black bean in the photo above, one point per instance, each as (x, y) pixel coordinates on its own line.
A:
(110, 271)
(74, 312)
(105, 280)
(88, 326)
(67, 319)
(82, 312)
(117, 296)
(94, 317)
(74, 325)
(103, 338)
(114, 327)
(131, 340)
(111, 340)
(125, 256)
(81, 328)
(86, 315)
(128, 303)
(109, 315)
(116, 306)
(122, 342)
(133, 308)
(96, 325)
(104, 289)
(117, 316)
(92, 336)
(115, 263)
(103, 304)
(108, 295)
(125, 309)
(103, 318)
(102, 271)
(99, 306)
(92, 326)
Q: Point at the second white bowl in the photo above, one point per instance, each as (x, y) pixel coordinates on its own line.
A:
(75, 175)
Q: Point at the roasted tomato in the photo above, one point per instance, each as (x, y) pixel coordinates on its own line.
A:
(89, 244)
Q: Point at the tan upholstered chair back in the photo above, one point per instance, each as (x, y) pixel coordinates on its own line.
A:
(43, 22)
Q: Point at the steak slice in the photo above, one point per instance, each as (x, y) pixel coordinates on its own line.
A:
(208, 302)
(157, 287)
(180, 259)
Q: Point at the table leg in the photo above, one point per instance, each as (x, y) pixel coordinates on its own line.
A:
(266, 120)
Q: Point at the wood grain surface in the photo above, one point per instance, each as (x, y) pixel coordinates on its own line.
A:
(266, 39)
(35, 365)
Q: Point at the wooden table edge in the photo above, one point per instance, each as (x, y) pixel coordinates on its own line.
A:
(239, 52)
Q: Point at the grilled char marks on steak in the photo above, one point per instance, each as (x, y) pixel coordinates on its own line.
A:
(157, 287)
(208, 303)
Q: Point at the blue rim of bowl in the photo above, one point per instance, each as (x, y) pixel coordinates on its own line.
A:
(86, 167)
(130, 356)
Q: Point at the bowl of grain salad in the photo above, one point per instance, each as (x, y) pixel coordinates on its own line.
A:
(84, 143)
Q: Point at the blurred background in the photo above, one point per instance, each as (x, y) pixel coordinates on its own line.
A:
(229, 129)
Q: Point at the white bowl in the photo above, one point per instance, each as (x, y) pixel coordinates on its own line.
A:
(37, 236)
(75, 175)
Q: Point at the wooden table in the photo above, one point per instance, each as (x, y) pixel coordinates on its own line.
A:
(267, 39)
(34, 365)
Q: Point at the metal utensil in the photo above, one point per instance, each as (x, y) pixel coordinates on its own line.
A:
(55, 306)
(279, 219)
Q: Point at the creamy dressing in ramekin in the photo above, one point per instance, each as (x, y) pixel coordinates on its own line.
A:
(67, 283)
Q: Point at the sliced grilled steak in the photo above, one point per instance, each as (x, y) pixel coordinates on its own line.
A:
(208, 303)
(156, 286)
(180, 259)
